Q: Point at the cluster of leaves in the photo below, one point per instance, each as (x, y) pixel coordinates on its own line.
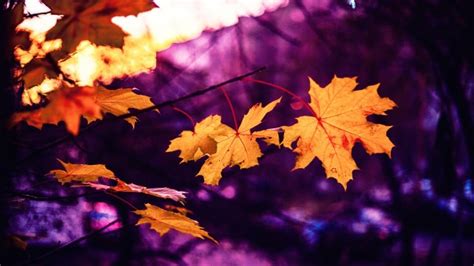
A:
(68, 102)
(160, 220)
(337, 120)
(80, 20)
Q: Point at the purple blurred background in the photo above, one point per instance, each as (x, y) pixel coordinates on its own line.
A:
(414, 209)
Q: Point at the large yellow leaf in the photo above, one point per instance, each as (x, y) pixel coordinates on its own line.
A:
(66, 104)
(195, 144)
(162, 221)
(119, 101)
(339, 121)
(91, 20)
(81, 172)
(238, 147)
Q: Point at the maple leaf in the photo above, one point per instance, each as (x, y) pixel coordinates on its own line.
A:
(161, 192)
(339, 121)
(119, 101)
(162, 221)
(198, 143)
(238, 147)
(81, 172)
(91, 20)
(66, 104)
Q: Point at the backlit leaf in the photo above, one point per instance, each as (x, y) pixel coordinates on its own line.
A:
(81, 173)
(162, 221)
(339, 121)
(91, 20)
(66, 104)
(238, 147)
(119, 101)
(195, 144)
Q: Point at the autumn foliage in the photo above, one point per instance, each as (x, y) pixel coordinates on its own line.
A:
(336, 114)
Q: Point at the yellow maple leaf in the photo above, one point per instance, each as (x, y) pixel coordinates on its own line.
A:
(91, 20)
(238, 147)
(339, 121)
(67, 104)
(119, 101)
(195, 144)
(162, 221)
(81, 172)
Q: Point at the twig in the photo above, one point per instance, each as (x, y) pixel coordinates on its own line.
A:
(137, 112)
(126, 202)
(275, 30)
(37, 14)
(36, 197)
(73, 242)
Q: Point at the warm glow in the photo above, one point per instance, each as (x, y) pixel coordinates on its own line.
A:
(150, 32)
(33, 95)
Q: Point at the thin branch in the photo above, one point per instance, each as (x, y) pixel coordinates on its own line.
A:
(37, 14)
(137, 112)
(126, 202)
(275, 30)
(73, 242)
(37, 197)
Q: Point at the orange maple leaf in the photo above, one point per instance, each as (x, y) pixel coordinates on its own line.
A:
(66, 104)
(339, 121)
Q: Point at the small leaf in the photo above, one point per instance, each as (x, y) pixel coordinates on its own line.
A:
(81, 173)
(238, 147)
(119, 101)
(162, 192)
(162, 221)
(198, 143)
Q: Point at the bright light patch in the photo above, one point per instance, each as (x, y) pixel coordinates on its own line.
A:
(150, 32)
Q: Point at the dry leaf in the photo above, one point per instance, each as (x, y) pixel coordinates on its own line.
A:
(161, 192)
(162, 221)
(81, 173)
(339, 121)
